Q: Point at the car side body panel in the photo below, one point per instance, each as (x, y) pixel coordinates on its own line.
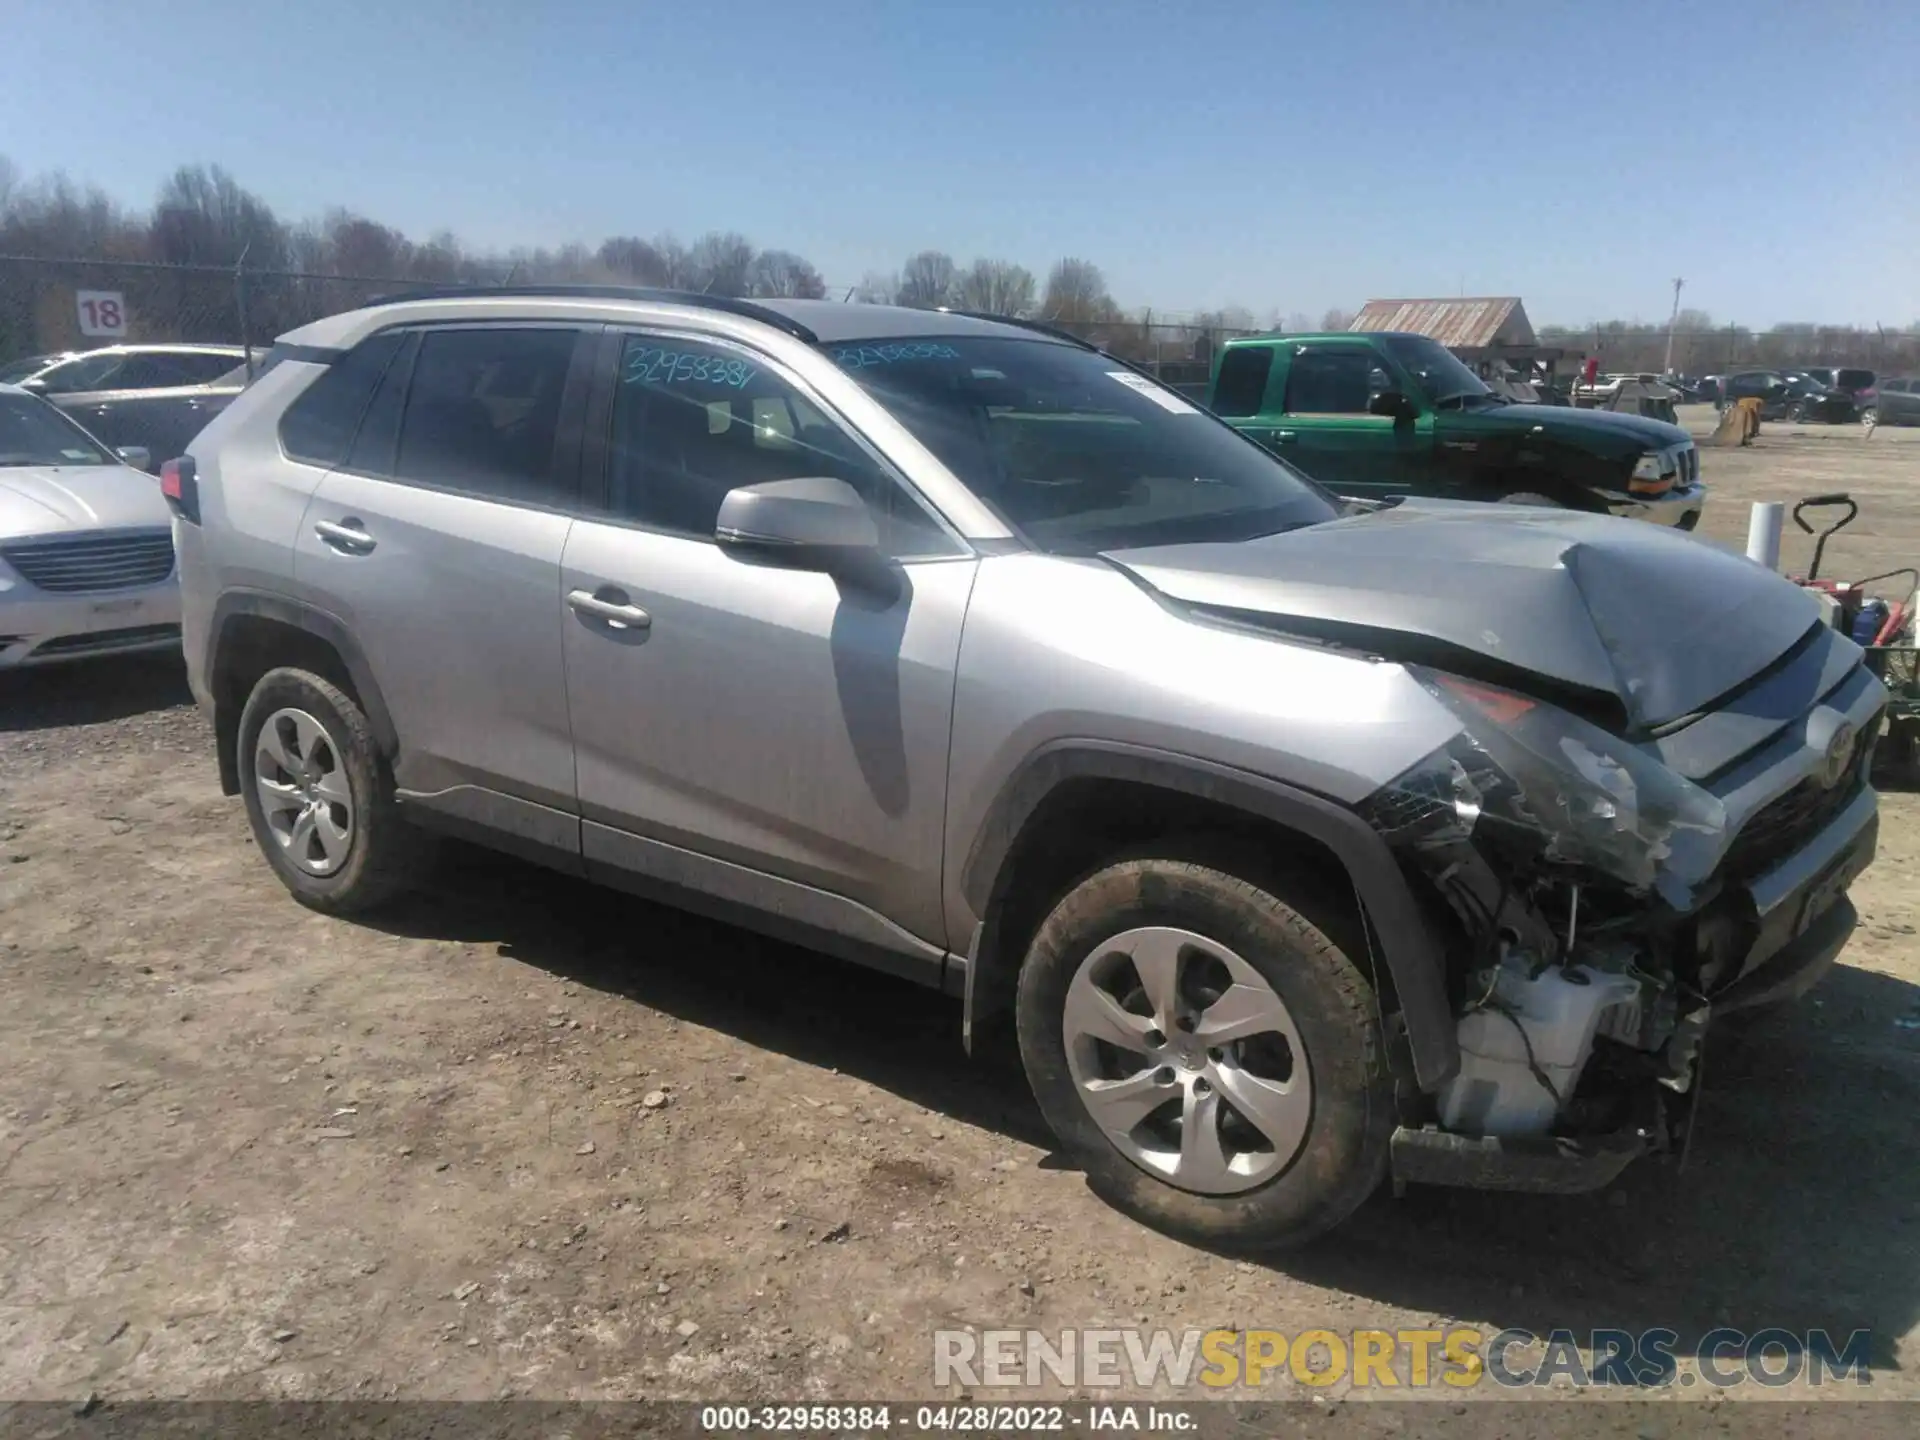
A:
(1058, 651)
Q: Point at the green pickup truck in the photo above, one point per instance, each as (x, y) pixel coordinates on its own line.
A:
(1376, 414)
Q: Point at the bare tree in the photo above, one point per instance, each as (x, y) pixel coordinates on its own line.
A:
(356, 245)
(1337, 319)
(997, 287)
(204, 217)
(877, 288)
(719, 263)
(926, 280)
(633, 259)
(1076, 290)
(783, 273)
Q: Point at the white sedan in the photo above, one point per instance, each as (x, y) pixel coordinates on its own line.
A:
(86, 543)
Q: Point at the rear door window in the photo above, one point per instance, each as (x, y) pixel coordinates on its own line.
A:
(200, 367)
(149, 372)
(483, 413)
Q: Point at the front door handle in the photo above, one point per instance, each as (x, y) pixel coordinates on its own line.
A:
(1285, 437)
(619, 613)
(349, 537)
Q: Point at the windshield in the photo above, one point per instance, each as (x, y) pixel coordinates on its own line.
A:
(1074, 450)
(32, 432)
(1854, 380)
(1436, 370)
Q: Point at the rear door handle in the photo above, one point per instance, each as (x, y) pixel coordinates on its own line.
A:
(349, 536)
(619, 613)
(1285, 437)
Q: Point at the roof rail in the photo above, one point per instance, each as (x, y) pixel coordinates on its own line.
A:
(1038, 326)
(763, 313)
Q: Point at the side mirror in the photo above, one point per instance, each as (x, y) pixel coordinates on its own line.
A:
(37, 385)
(817, 522)
(1392, 404)
(138, 456)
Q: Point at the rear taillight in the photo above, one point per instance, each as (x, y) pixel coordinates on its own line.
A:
(182, 489)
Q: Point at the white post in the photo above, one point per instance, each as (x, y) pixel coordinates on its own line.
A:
(1764, 524)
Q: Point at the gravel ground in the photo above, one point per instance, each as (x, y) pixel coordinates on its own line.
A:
(523, 1137)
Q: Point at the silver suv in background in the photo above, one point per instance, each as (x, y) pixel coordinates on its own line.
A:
(1301, 846)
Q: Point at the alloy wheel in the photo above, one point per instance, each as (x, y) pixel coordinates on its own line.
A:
(1188, 1060)
(303, 789)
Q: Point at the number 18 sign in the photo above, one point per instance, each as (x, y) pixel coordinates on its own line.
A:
(102, 312)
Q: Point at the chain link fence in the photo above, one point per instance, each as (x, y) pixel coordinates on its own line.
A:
(63, 304)
(49, 305)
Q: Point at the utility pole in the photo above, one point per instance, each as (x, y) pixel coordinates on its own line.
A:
(1672, 321)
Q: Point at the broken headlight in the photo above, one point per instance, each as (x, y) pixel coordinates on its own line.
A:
(1536, 783)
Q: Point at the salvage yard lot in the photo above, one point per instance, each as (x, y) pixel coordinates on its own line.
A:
(519, 1136)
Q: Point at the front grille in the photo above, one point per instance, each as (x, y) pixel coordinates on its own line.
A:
(1784, 824)
(108, 640)
(87, 563)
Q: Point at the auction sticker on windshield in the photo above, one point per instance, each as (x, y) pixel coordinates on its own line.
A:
(1165, 399)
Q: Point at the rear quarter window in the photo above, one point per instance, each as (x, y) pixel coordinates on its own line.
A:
(319, 426)
(1241, 386)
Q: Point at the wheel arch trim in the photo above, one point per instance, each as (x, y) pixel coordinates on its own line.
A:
(1406, 945)
(328, 628)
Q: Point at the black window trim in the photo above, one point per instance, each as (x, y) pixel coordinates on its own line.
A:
(596, 455)
(563, 464)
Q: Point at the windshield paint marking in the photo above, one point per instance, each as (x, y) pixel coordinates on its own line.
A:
(859, 357)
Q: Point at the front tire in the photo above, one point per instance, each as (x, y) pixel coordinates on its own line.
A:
(320, 798)
(1211, 1059)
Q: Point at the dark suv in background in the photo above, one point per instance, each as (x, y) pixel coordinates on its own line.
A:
(150, 397)
(1849, 381)
(1893, 402)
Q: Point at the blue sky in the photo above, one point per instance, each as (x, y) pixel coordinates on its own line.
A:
(1288, 156)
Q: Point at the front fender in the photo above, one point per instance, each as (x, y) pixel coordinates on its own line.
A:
(1407, 946)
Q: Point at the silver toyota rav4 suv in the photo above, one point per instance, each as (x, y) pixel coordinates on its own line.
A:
(1301, 846)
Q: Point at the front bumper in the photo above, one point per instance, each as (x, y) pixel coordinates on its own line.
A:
(38, 628)
(1805, 920)
(1680, 507)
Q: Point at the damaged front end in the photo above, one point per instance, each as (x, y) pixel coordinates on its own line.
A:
(1598, 921)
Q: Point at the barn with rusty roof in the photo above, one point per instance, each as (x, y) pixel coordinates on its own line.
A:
(1489, 322)
(1480, 330)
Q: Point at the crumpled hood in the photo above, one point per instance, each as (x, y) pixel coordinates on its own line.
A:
(50, 499)
(1662, 623)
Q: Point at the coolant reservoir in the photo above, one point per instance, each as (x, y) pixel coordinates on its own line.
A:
(1557, 1011)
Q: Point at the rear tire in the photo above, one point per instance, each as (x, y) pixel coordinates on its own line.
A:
(1249, 1105)
(320, 797)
